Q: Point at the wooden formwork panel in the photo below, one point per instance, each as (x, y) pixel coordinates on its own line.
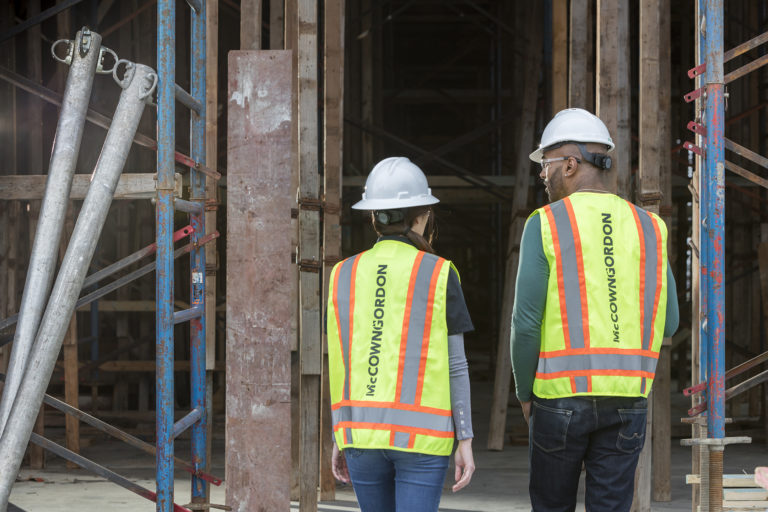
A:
(259, 308)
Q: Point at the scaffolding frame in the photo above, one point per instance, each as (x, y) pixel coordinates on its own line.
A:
(167, 202)
(709, 237)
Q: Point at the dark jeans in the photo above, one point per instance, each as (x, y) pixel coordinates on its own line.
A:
(395, 481)
(605, 434)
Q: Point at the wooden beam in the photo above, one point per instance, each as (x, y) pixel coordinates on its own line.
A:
(613, 87)
(580, 51)
(501, 386)
(250, 24)
(25, 187)
(258, 259)
(559, 55)
(311, 354)
(276, 24)
(333, 76)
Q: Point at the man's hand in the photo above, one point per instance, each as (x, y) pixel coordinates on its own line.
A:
(526, 410)
(465, 464)
(339, 465)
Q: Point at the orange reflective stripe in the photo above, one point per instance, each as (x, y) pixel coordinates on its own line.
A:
(398, 428)
(406, 320)
(338, 324)
(428, 328)
(573, 385)
(660, 263)
(595, 373)
(391, 405)
(560, 283)
(589, 383)
(641, 236)
(353, 281)
(599, 350)
(580, 267)
(411, 442)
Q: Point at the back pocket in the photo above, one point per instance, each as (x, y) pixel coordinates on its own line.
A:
(632, 432)
(549, 427)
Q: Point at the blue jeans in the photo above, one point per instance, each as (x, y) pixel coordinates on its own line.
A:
(395, 481)
(604, 434)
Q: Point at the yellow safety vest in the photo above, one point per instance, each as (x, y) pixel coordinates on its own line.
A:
(388, 350)
(606, 297)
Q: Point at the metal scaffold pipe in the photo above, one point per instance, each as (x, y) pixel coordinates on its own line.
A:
(84, 55)
(138, 83)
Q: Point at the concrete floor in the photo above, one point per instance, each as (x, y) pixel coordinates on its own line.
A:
(499, 484)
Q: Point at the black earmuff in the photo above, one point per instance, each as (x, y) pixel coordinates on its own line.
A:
(602, 162)
(387, 217)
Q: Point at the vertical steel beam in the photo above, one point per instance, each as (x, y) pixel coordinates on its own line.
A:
(197, 256)
(164, 209)
(715, 184)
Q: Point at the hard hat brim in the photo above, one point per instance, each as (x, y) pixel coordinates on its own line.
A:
(389, 204)
(538, 155)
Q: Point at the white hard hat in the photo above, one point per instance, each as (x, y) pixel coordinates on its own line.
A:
(394, 183)
(576, 125)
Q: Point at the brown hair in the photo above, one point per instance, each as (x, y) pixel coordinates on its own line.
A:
(403, 226)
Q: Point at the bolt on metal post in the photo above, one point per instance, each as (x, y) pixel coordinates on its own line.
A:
(138, 83)
(83, 56)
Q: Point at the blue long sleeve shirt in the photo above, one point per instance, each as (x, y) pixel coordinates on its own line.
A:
(528, 311)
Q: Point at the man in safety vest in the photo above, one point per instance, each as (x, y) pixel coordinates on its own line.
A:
(594, 298)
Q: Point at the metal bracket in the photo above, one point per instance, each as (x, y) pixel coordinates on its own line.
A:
(697, 128)
(691, 96)
(312, 266)
(690, 146)
(698, 70)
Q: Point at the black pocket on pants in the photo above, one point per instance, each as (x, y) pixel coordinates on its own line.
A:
(549, 427)
(632, 432)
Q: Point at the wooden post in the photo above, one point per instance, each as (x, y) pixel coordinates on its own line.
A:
(613, 87)
(559, 55)
(366, 71)
(580, 51)
(519, 213)
(212, 196)
(258, 293)
(763, 259)
(69, 350)
(291, 42)
(333, 76)
(655, 459)
(276, 24)
(250, 24)
(309, 258)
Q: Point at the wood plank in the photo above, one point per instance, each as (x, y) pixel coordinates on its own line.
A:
(143, 365)
(746, 495)
(729, 480)
(501, 385)
(333, 76)
(559, 55)
(250, 24)
(580, 51)
(276, 24)
(258, 293)
(613, 87)
(131, 186)
(310, 342)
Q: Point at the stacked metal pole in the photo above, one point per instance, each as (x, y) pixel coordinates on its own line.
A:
(164, 213)
(138, 84)
(84, 55)
(197, 256)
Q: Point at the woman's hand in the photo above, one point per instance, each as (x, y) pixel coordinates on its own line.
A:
(465, 464)
(339, 465)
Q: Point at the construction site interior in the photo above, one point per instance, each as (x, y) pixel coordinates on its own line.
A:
(260, 123)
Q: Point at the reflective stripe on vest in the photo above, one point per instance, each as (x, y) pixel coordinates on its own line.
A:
(592, 356)
(413, 295)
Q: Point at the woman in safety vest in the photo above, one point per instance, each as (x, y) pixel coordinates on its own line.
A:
(398, 374)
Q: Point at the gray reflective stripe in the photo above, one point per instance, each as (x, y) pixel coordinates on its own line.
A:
(570, 273)
(651, 262)
(415, 335)
(343, 304)
(402, 439)
(395, 417)
(582, 385)
(349, 435)
(587, 362)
